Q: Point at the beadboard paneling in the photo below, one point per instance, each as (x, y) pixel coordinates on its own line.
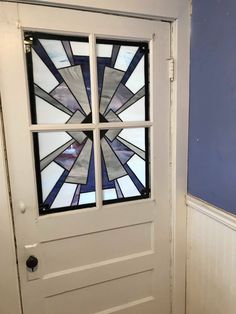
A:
(211, 267)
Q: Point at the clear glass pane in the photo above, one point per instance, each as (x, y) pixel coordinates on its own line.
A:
(122, 80)
(59, 78)
(65, 170)
(125, 164)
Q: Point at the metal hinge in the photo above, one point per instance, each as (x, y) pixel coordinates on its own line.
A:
(190, 7)
(171, 69)
(28, 41)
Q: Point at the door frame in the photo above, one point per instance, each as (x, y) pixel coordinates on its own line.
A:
(177, 13)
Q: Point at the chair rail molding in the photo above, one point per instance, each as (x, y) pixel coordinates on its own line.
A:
(211, 211)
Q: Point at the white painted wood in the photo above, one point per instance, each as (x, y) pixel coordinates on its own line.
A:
(179, 154)
(9, 288)
(95, 119)
(168, 9)
(94, 248)
(140, 279)
(85, 126)
(103, 295)
(223, 217)
(211, 273)
(177, 11)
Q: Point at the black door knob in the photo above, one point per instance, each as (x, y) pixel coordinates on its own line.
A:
(32, 263)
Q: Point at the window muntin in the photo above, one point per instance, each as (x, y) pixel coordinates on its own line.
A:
(59, 70)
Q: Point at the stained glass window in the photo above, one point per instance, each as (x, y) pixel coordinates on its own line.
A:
(60, 93)
(124, 164)
(122, 80)
(60, 79)
(65, 169)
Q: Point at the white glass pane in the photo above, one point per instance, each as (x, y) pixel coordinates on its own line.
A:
(86, 198)
(80, 48)
(46, 113)
(137, 78)
(65, 196)
(49, 177)
(135, 112)
(125, 56)
(50, 141)
(127, 187)
(104, 50)
(56, 52)
(135, 136)
(43, 77)
(109, 194)
(137, 165)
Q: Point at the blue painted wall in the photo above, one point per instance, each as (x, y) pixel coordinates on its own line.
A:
(212, 125)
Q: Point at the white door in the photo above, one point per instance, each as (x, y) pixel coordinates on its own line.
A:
(86, 110)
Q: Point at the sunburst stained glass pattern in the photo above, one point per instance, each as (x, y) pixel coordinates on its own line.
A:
(122, 80)
(125, 169)
(60, 93)
(65, 170)
(59, 78)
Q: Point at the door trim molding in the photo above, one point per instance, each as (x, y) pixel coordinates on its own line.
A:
(10, 293)
(179, 155)
(92, 9)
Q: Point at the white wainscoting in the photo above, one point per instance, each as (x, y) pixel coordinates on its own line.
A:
(211, 265)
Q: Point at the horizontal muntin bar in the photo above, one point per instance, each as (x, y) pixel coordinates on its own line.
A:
(89, 126)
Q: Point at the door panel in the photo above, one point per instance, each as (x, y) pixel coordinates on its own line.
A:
(110, 258)
(103, 296)
(95, 248)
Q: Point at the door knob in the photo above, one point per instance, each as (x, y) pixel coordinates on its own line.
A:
(32, 263)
